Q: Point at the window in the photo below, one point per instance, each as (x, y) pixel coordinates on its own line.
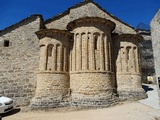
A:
(6, 43)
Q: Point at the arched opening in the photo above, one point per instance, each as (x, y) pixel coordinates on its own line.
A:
(128, 52)
(96, 41)
(49, 57)
(97, 50)
(49, 50)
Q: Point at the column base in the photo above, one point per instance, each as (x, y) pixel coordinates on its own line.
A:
(48, 103)
(82, 101)
(132, 95)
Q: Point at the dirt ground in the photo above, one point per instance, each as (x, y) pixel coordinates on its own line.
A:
(123, 111)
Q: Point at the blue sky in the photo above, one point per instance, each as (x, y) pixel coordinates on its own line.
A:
(130, 11)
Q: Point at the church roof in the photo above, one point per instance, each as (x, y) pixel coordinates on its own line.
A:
(79, 5)
(22, 22)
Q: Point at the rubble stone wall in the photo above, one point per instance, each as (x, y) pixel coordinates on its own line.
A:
(19, 61)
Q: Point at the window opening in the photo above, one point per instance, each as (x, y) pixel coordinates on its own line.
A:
(128, 52)
(6, 43)
(50, 47)
(96, 41)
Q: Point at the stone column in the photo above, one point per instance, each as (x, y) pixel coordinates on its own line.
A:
(89, 51)
(101, 52)
(60, 58)
(119, 61)
(65, 59)
(137, 59)
(125, 59)
(84, 52)
(79, 52)
(74, 55)
(106, 53)
(43, 58)
(132, 60)
(54, 59)
(92, 51)
(109, 54)
(97, 51)
(70, 60)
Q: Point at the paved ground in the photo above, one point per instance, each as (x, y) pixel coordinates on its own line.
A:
(126, 111)
(139, 110)
(153, 99)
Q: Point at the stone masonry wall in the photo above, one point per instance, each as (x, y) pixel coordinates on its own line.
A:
(59, 23)
(155, 33)
(52, 91)
(19, 61)
(91, 89)
(91, 10)
(88, 10)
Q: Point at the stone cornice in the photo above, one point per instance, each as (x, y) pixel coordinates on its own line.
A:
(51, 33)
(126, 37)
(91, 21)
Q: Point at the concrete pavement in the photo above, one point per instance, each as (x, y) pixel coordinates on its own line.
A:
(153, 99)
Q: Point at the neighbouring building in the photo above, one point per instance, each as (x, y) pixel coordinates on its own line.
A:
(83, 57)
(146, 54)
(155, 33)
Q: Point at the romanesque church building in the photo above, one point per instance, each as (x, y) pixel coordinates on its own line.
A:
(83, 57)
